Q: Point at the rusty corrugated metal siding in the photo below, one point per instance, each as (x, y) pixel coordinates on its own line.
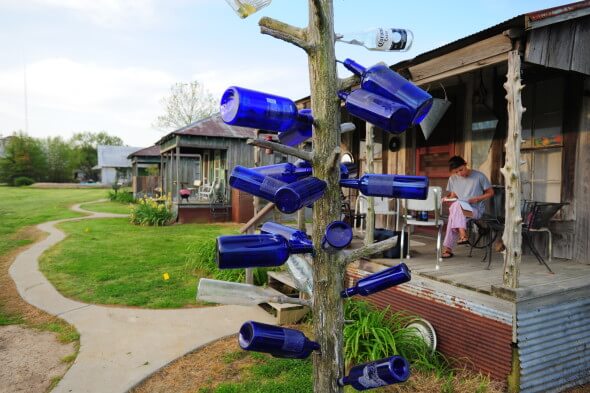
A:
(479, 338)
(554, 346)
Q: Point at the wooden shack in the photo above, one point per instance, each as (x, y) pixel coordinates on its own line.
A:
(535, 338)
(145, 171)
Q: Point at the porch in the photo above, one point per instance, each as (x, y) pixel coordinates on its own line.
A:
(511, 334)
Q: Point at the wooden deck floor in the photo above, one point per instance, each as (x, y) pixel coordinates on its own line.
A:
(470, 272)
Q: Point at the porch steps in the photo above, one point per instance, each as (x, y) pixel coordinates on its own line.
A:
(284, 313)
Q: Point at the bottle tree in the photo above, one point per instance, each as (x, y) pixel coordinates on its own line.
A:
(317, 40)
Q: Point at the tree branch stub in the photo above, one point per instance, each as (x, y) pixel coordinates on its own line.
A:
(304, 155)
(367, 251)
(283, 31)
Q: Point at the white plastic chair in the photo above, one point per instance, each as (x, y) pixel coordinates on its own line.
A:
(431, 204)
(381, 207)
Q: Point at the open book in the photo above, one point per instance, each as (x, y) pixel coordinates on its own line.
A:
(467, 208)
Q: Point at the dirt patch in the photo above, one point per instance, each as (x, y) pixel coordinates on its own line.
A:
(31, 359)
(206, 367)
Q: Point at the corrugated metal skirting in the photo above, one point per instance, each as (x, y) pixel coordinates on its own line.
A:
(477, 337)
(554, 346)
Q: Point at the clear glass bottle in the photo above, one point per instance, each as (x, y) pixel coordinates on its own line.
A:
(301, 272)
(225, 292)
(379, 281)
(249, 108)
(383, 372)
(382, 112)
(381, 80)
(264, 250)
(280, 342)
(390, 186)
(380, 39)
(245, 8)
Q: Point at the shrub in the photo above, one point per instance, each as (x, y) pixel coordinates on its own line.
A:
(124, 196)
(375, 334)
(150, 212)
(22, 181)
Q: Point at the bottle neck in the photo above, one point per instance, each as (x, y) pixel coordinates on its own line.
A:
(349, 292)
(354, 67)
(350, 183)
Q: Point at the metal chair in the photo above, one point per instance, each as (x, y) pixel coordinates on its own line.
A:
(381, 206)
(483, 231)
(431, 204)
(536, 218)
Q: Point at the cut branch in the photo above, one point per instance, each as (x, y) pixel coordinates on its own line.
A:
(290, 300)
(304, 155)
(285, 32)
(368, 250)
(348, 83)
(257, 217)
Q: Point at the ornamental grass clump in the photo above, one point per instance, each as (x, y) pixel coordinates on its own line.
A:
(150, 212)
(372, 334)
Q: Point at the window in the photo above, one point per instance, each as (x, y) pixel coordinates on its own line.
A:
(542, 147)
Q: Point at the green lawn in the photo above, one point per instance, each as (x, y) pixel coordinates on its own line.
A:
(23, 206)
(110, 261)
(107, 207)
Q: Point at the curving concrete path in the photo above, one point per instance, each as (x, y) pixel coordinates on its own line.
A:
(119, 347)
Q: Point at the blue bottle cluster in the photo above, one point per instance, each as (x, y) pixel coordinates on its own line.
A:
(289, 197)
(379, 281)
(278, 341)
(394, 369)
(254, 109)
(390, 186)
(385, 98)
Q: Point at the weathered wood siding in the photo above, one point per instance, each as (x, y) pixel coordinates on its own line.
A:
(582, 182)
(563, 45)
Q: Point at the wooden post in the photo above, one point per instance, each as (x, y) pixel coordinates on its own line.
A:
(511, 171)
(256, 202)
(370, 217)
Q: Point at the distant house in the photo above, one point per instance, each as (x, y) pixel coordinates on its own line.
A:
(145, 170)
(113, 164)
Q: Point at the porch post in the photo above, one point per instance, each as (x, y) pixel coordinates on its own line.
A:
(370, 218)
(177, 188)
(511, 171)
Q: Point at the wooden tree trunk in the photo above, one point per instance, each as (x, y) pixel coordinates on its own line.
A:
(370, 217)
(511, 171)
(327, 273)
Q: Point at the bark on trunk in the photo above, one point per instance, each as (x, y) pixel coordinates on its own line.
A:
(370, 218)
(511, 171)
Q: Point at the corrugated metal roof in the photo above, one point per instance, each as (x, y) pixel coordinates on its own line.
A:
(114, 156)
(212, 126)
(147, 152)
(562, 9)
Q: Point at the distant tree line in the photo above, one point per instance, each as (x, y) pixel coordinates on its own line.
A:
(26, 159)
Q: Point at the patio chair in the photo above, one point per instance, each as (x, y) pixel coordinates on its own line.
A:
(431, 204)
(483, 231)
(205, 191)
(536, 218)
(381, 206)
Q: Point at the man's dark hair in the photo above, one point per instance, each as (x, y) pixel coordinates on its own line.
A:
(455, 162)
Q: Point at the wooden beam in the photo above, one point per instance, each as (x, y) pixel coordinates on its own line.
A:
(480, 54)
(370, 217)
(258, 217)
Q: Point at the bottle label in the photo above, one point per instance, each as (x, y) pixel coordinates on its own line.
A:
(370, 378)
(270, 185)
(391, 39)
(381, 185)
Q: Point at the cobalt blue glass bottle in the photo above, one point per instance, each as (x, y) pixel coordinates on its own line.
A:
(254, 183)
(379, 281)
(278, 341)
(390, 186)
(241, 251)
(300, 131)
(285, 172)
(382, 80)
(254, 109)
(378, 110)
(291, 234)
(304, 192)
(338, 235)
(394, 369)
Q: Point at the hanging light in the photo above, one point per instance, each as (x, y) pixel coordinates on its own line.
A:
(482, 117)
(439, 108)
(245, 8)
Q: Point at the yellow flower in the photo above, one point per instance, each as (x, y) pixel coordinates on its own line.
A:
(166, 276)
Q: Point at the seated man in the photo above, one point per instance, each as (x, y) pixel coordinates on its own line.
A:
(468, 189)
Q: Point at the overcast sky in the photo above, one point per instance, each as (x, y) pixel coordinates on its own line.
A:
(104, 65)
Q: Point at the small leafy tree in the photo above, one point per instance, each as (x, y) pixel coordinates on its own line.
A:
(60, 159)
(186, 103)
(23, 157)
